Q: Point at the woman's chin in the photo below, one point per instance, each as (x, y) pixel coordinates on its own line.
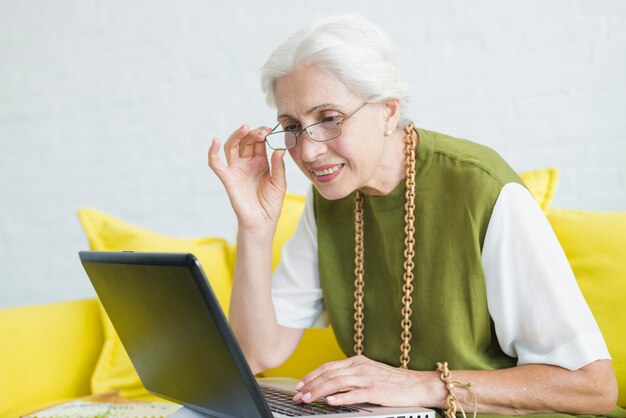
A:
(331, 192)
(331, 187)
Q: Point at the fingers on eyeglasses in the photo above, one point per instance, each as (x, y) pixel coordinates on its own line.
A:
(232, 144)
(254, 143)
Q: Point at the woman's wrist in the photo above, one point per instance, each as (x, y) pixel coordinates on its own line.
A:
(257, 234)
(432, 391)
(254, 252)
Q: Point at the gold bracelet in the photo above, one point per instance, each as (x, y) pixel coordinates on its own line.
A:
(451, 400)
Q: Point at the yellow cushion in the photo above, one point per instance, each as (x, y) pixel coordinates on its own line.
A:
(595, 244)
(542, 184)
(107, 233)
(289, 217)
(47, 352)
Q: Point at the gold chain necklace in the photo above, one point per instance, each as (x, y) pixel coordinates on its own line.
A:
(409, 244)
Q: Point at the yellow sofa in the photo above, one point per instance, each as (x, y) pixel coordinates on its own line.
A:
(69, 349)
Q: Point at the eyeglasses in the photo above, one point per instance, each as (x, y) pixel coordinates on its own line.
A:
(319, 132)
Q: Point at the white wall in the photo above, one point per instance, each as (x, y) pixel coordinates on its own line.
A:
(113, 104)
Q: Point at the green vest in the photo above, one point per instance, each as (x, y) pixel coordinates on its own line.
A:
(456, 186)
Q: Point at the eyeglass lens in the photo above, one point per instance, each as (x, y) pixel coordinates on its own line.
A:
(319, 132)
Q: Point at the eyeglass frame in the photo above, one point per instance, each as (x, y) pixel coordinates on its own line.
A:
(299, 131)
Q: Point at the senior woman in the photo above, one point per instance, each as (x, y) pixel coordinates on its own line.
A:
(441, 277)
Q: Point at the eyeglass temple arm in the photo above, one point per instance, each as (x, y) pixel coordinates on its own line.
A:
(274, 128)
(352, 114)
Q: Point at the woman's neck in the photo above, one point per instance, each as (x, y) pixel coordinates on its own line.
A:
(392, 168)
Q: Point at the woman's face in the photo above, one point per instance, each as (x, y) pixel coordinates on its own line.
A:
(355, 159)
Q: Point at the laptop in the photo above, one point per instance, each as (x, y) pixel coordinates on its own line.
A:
(179, 341)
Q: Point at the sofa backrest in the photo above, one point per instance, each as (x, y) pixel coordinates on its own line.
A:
(48, 352)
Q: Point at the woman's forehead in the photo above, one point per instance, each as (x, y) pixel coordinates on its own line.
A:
(310, 89)
(314, 109)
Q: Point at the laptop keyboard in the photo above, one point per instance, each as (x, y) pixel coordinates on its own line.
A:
(281, 401)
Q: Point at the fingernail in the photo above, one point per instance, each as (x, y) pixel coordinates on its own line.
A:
(297, 397)
(299, 385)
(306, 396)
(330, 399)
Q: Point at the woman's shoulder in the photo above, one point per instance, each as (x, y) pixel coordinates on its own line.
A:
(465, 157)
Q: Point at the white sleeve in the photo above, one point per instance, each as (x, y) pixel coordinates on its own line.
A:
(296, 289)
(540, 314)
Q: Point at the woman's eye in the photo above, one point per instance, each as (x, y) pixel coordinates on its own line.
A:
(291, 128)
(333, 118)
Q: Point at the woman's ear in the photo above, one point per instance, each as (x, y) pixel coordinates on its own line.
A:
(391, 113)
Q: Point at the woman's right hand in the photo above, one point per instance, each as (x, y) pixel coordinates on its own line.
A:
(256, 190)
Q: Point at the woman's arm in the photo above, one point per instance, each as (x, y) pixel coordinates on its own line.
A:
(539, 313)
(523, 389)
(252, 317)
(532, 388)
(256, 192)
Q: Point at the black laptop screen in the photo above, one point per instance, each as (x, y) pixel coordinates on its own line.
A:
(174, 331)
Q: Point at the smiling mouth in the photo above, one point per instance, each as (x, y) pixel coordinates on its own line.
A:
(327, 171)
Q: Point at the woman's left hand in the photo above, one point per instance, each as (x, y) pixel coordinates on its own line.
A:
(359, 379)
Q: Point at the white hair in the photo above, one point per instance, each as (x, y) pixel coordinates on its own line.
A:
(350, 47)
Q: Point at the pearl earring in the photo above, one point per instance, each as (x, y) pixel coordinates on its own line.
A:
(388, 132)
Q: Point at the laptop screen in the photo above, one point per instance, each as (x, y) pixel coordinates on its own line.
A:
(174, 331)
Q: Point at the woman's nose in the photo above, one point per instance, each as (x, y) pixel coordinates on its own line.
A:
(310, 149)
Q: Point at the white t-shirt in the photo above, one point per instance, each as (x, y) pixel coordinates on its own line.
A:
(539, 313)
